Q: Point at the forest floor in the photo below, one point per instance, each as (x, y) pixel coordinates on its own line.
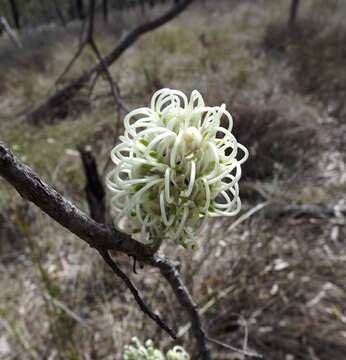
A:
(270, 280)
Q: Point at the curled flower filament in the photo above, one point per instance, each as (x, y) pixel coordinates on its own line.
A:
(175, 167)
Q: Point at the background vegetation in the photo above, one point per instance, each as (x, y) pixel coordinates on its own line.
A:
(275, 279)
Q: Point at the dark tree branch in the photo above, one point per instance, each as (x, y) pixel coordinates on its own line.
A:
(172, 275)
(71, 62)
(94, 188)
(59, 12)
(83, 42)
(274, 210)
(297, 211)
(80, 9)
(70, 90)
(104, 237)
(105, 10)
(15, 14)
(89, 40)
(143, 306)
(32, 188)
(133, 35)
(100, 236)
(114, 92)
(93, 83)
(96, 199)
(91, 25)
(293, 13)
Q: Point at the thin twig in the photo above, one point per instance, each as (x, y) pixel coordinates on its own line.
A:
(93, 83)
(232, 348)
(246, 337)
(217, 297)
(68, 311)
(90, 41)
(172, 275)
(272, 209)
(143, 306)
(247, 215)
(82, 42)
(114, 92)
(71, 63)
(12, 35)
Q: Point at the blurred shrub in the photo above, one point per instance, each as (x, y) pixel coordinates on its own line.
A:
(316, 53)
(277, 145)
(278, 36)
(36, 55)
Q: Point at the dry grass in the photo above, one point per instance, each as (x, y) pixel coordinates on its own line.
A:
(315, 51)
(278, 145)
(279, 280)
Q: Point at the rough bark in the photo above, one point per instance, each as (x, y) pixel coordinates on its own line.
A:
(94, 189)
(32, 188)
(12, 35)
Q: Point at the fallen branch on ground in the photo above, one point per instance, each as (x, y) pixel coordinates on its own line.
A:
(90, 41)
(305, 210)
(70, 90)
(279, 209)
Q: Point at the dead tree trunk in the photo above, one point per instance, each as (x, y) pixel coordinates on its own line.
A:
(293, 13)
(15, 14)
(71, 11)
(80, 9)
(59, 12)
(94, 188)
(105, 10)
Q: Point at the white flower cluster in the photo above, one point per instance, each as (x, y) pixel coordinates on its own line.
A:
(176, 165)
(136, 351)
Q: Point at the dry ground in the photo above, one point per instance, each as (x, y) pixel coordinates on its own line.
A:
(274, 283)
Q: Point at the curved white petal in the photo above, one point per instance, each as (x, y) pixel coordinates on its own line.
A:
(183, 152)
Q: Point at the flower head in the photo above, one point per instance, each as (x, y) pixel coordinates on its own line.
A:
(136, 351)
(177, 164)
(177, 353)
